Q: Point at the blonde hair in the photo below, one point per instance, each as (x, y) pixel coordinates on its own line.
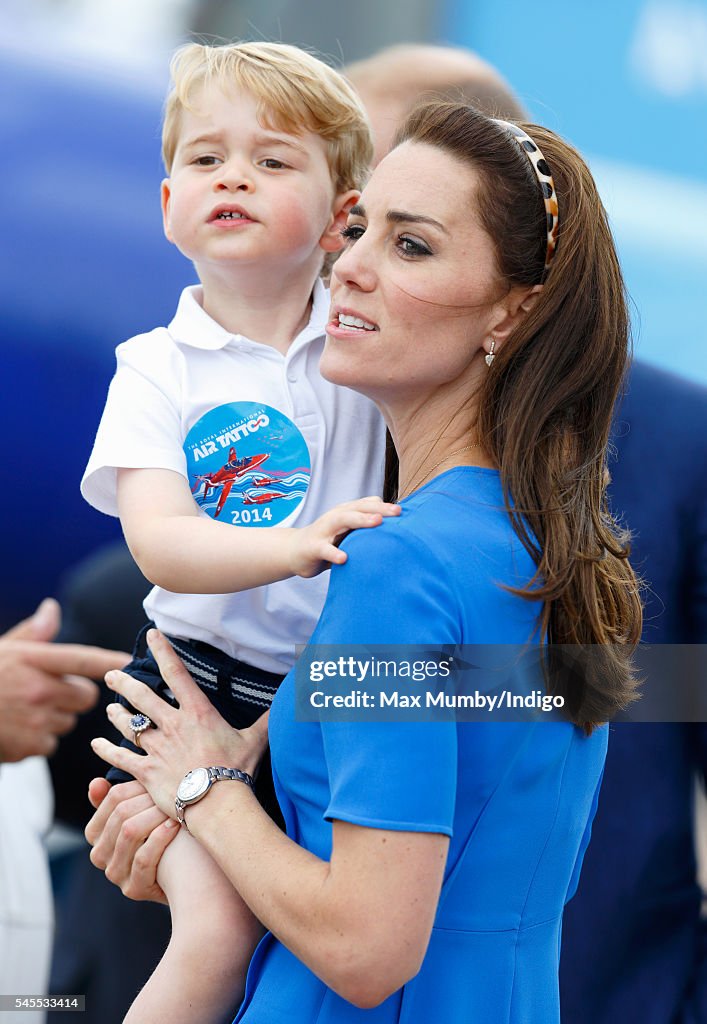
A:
(295, 92)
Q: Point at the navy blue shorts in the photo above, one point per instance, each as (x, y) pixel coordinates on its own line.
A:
(240, 693)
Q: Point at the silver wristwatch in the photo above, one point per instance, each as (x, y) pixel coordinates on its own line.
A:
(197, 783)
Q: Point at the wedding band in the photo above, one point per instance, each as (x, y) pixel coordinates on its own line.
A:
(139, 723)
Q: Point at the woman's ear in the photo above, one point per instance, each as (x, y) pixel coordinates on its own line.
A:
(512, 309)
(331, 240)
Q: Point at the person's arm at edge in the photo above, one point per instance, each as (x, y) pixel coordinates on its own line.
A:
(43, 685)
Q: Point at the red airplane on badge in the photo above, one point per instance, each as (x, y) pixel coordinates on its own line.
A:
(261, 497)
(227, 476)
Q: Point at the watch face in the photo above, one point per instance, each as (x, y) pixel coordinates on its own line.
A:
(193, 785)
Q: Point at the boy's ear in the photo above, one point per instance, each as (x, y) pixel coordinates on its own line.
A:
(331, 240)
(165, 195)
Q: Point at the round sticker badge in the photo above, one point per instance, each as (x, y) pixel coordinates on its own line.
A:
(248, 464)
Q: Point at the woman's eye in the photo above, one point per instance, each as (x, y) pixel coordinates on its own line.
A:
(352, 232)
(412, 247)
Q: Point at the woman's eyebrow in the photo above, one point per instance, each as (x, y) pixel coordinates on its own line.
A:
(399, 217)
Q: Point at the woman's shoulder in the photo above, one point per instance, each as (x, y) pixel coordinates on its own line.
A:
(401, 542)
(398, 585)
(462, 510)
(451, 555)
(462, 498)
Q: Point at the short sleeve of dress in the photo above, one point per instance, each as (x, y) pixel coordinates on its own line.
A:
(140, 427)
(398, 775)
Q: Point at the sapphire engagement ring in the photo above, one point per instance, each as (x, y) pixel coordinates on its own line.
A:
(139, 723)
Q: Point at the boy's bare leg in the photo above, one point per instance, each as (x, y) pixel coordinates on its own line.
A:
(201, 976)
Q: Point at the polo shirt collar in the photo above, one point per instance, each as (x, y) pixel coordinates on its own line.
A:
(194, 327)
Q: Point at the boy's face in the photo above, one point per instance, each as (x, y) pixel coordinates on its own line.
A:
(246, 195)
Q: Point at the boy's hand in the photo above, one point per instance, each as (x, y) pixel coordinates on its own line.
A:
(314, 547)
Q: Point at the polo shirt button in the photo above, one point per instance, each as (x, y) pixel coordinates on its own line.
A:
(292, 376)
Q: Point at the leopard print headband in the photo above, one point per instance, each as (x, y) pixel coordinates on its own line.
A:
(547, 185)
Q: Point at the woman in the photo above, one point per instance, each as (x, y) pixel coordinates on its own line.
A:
(427, 864)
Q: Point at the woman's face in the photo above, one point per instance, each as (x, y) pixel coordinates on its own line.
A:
(416, 291)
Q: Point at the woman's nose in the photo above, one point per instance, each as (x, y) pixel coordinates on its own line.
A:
(354, 268)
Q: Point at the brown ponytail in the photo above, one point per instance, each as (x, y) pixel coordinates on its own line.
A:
(546, 405)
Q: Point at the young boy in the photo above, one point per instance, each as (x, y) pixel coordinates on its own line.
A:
(221, 448)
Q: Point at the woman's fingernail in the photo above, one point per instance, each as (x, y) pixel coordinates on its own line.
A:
(171, 823)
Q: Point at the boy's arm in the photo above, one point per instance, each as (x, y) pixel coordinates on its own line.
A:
(182, 551)
(222, 939)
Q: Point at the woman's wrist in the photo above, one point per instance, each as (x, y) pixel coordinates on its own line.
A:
(219, 800)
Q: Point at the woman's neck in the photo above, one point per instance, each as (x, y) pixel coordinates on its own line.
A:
(429, 442)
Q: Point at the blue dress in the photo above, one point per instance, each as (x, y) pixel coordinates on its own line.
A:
(516, 798)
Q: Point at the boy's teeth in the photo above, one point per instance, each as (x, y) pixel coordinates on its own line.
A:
(229, 215)
(354, 321)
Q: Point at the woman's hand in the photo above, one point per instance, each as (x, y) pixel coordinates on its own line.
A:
(128, 834)
(193, 735)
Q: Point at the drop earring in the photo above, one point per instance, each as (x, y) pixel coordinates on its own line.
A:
(489, 357)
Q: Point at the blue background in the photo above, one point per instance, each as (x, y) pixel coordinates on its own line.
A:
(627, 84)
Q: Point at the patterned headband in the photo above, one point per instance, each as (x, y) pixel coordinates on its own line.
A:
(547, 185)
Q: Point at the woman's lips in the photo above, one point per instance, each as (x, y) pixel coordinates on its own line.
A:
(346, 323)
(349, 320)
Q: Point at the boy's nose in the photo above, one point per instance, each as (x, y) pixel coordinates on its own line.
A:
(234, 179)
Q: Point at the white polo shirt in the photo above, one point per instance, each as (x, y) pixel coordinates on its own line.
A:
(263, 441)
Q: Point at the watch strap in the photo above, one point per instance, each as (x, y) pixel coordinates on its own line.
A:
(216, 774)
